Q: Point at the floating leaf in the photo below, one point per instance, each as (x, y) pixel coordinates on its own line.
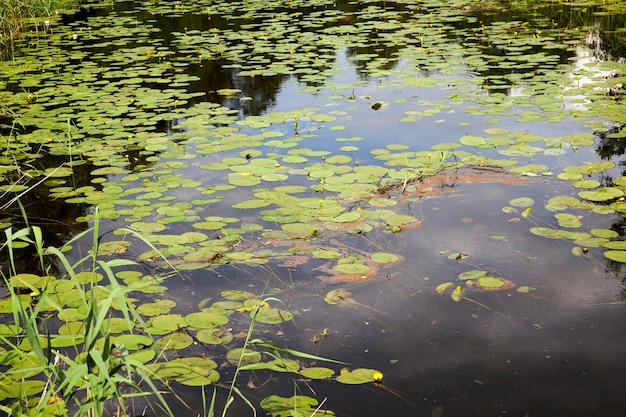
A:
(473, 274)
(347, 217)
(602, 194)
(616, 255)
(317, 373)
(176, 341)
(384, 258)
(441, 288)
(248, 356)
(326, 253)
(271, 315)
(205, 319)
(337, 296)
(296, 406)
(458, 256)
(214, 336)
(457, 293)
(522, 202)
(352, 268)
(357, 376)
(490, 282)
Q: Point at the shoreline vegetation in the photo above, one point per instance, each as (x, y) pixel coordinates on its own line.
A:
(19, 15)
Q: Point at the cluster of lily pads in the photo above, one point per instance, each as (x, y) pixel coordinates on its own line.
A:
(165, 334)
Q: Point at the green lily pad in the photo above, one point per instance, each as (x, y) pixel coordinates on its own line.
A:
(458, 256)
(616, 255)
(602, 194)
(133, 341)
(490, 282)
(473, 274)
(205, 319)
(352, 268)
(337, 296)
(522, 202)
(357, 376)
(384, 258)
(248, 356)
(176, 341)
(214, 336)
(168, 322)
(317, 373)
(323, 253)
(296, 406)
(271, 315)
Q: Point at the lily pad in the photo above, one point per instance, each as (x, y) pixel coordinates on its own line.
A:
(357, 376)
(317, 373)
(616, 255)
(384, 258)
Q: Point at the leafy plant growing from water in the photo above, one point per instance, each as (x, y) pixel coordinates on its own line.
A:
(86, 367)
(82, 369)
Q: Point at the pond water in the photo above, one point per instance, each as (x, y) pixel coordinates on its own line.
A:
(432, 189)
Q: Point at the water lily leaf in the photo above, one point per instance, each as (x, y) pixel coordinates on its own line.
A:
(531, 170)
(347, 217)
(473, 274)
(582, 183)
(616, 244)
(604, 233)
(117, 324)
(168, 322)
(384, 258)
(296, 406)
(10, 330)
(337, 296)
(13, 188)
(458, 256)
(205, 319)
(558, 234)
(113, 247)
(214, 336)
(457, 293)
(283, 365)
(133, 341)
(193, 371)
(398, 220)
(616, 255)
(326, 253)
(352, 268)
(490, 282)
(209, 225)
(473, 140)
(300, 228)
(23, 388)
(148, 228)
(317, 373)
(271, 315)
(357, 376)
(441, 288)
(243, 179)
(28, 281)
(248, 356)
(236, 294)
(602, 194)
(274, 177)
(176, 341)
(522, 202)
(198, 376)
